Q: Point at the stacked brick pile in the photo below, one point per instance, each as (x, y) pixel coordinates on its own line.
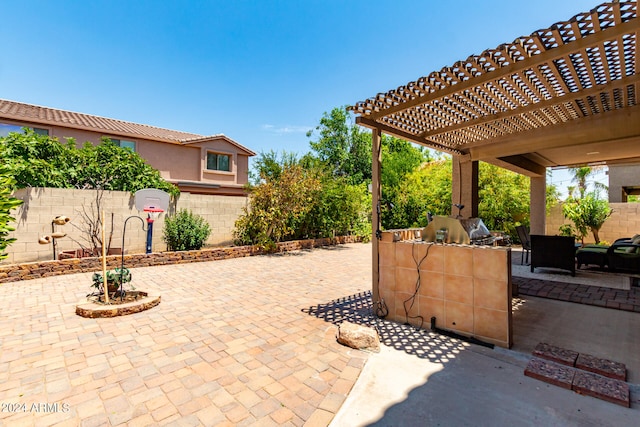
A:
(585, 374)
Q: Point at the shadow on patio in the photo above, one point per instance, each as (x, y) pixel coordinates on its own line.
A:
(357, 308)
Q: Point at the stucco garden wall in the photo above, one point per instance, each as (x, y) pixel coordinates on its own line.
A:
(41, 205)
(623, 222)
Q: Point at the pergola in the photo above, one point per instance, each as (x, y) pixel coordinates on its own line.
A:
(563, 96)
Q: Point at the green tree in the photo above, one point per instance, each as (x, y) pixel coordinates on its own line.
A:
(345, 150)
(34, 160)
(423, 190)
(270, 165)
(580, 176)
(277, 206)
(299, 198)
(340, 209)
(588, 213)
(344, 147)
(37, 160)
(503, 198)
(7, 203)
(399, 158)
(111, 167)
(503, 195)
(41, 161)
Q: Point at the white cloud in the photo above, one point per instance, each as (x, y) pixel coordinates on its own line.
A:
(287, 129)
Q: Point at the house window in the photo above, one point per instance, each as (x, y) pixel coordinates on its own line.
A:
(124, 144)
(218, 162)
(6, 129)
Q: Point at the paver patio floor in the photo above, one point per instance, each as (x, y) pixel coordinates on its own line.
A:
(228, 345)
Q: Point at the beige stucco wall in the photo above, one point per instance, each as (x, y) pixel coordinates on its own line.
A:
(43, 204)
(623, 222)
(174, 162)
(621, 176)
(466, 288)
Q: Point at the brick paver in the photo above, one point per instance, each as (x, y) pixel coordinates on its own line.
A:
(230, 344)
(619, 299)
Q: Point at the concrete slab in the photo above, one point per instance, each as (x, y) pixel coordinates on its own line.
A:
(475, 386)
(601, 332)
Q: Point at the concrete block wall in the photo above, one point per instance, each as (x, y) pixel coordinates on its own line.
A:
(221, 212)
(41, 205)
(623, 222)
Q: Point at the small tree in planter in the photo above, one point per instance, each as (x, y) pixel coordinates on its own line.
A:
(115, 279)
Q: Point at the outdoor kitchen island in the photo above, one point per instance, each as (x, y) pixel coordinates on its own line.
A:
(467, 288)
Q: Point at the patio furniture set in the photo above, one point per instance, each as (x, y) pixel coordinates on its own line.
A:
(562, 252)
(624, 254)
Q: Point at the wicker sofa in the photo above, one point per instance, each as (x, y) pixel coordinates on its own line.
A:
(553, 252)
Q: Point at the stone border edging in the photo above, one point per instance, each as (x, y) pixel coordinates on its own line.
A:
(37, 270)
(93, 311)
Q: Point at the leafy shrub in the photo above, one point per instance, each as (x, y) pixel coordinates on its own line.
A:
(42, 161)
(277, 206)
(340, 209)
(587, 213)
(185, 231)
(295, 200)
(7, 202)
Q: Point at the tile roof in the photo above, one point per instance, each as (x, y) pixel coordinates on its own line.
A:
(51, 116)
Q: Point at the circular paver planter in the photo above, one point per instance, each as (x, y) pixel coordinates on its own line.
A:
(95, 310)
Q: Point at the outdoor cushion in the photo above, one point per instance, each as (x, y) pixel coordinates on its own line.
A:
(592, 254)
(624, 255)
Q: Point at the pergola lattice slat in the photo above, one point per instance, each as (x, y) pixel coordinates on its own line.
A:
(584, 67)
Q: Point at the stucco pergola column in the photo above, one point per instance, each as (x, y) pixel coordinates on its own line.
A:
(464, 186)
(537, 205)
(375, 213)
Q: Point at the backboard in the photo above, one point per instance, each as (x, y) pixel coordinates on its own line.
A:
(151, 199)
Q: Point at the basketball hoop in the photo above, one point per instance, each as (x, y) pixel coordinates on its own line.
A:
(153, 212)
(153, 202)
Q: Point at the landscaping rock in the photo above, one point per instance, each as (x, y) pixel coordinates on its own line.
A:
(358, 337)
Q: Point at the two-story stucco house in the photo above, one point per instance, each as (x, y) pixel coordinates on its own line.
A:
(197, 164)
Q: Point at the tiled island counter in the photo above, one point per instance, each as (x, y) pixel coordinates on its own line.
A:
(466, 288)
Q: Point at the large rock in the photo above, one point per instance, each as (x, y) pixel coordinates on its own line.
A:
(358, 337)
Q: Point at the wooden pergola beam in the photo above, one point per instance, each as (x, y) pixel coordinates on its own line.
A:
(405, 135)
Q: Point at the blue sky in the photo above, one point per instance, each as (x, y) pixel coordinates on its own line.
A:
(261, 72)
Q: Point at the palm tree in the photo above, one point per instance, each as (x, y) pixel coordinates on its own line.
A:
(580, 176)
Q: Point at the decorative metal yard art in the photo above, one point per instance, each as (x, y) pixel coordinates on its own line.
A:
(51, 238)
